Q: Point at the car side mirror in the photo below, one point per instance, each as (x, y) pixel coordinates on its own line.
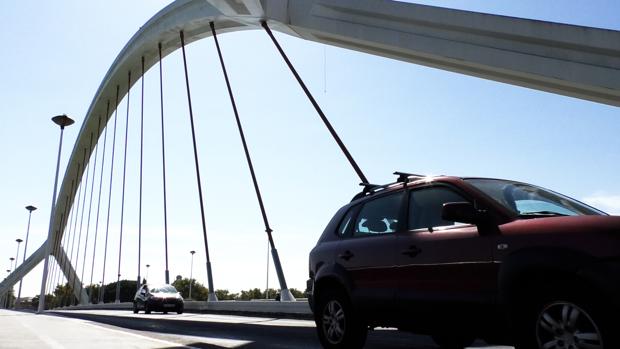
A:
(462, 212)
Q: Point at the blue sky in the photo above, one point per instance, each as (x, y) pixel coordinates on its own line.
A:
(392, 115)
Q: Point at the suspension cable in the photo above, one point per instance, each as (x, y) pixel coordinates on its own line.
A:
(67, 242)
(90, 148)
(120, 243)
(163, 156)
(60, 259)
(77, 255)
(202, 209)
(55, 253)
(68, 225)
(107, 228)
(249, 161)
(77, 214)
(90, 206)
(74, 214)
(318, 109)
(141, 160)
(92, 267)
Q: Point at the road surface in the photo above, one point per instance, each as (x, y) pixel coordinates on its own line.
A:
(123, 329)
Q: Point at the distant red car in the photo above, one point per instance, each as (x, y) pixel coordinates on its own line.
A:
(466, 258)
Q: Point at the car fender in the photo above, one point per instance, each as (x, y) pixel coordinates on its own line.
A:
(332, 272)
(538, 264)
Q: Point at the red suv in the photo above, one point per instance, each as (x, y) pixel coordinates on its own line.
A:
(467, 258)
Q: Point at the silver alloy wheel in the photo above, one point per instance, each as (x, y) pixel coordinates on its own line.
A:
(334, 322)
(564, 325)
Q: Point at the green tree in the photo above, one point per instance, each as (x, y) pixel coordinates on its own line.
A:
(254, 293)
(269, 294)
(199, 291)
(62, 296)
(48, 300)
(297, 293)
(93, 293)
(225, 295)
(127, 292)
(10, 299)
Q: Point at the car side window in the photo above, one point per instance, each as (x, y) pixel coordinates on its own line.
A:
(425, 207)
(379, 216)
(345, 224)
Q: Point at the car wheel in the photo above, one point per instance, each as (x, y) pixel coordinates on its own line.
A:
(564, 324)
(180, 310)
(568, 323)
(135, 307)
(453, 341)
(147, 309)
(336, 322)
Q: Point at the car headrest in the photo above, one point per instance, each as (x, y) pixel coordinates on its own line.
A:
(376, 225)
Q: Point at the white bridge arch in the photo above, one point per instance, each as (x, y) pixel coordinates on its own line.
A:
(570, 60)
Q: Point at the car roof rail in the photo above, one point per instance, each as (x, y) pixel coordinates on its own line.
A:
(370, 189)
(407, 177)
(403, 178)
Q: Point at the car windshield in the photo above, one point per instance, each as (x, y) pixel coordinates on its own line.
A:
(530, 201)
(164, 289)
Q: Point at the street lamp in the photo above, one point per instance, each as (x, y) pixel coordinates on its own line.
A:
(30, 208)
(5, 300)
(11, 259)
(62, 121)
(147, 272)
(191, 274)
(19, 241)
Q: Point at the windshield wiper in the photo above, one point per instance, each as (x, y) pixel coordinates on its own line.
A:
(535, 214)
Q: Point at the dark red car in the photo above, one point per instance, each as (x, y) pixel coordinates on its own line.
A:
(467, 258)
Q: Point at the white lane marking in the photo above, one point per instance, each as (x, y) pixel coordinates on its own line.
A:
(49, 342)
(221, 342)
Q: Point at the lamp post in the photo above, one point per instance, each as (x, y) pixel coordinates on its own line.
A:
(191, 274)
(19, 241)
(5, 300)
(62, 121)
(30, 208)
(11, 259)
(147, 272)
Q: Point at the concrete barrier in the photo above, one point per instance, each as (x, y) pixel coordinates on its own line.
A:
(299, 308)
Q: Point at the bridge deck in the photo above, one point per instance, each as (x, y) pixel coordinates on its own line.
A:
(123, 329)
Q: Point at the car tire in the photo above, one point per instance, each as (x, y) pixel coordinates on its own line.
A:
(569, 321)
(147, 309)
(337, 324)
(453, 341)
(180, 309)
(135, 307)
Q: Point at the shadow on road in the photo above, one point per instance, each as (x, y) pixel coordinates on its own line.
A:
(244, 335)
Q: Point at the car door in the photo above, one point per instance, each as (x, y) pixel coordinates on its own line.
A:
(443, 267)
(141, 296)
(366, 253)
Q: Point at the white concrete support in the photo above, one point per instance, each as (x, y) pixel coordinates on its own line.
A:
(571, 60)
(21, 271)
(69, 272)
(36, 258)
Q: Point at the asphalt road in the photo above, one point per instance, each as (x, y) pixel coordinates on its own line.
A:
(123, 329)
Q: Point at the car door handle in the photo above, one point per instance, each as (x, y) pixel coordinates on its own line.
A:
(346, 255)
(412, 251)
